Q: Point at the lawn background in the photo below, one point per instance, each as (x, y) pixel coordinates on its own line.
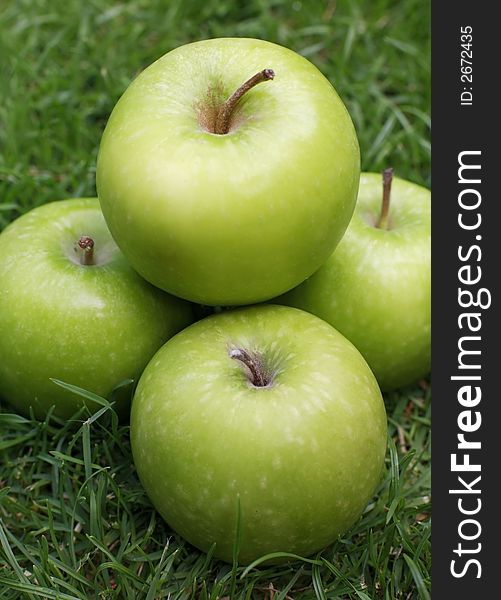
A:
(74, 521)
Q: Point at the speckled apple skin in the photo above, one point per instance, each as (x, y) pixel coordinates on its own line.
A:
(228, 219)
(376, 286)
(302, 456)
(92, 326)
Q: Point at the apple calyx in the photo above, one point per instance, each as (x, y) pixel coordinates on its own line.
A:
(85, 249)
(254, 368)
(225, 112)
(385, 208)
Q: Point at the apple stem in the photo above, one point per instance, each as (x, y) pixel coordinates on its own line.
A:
(385, 208)
(253, 365)
(86, 245)
(223, 117)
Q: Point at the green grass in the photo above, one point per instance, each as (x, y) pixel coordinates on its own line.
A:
(74, 520)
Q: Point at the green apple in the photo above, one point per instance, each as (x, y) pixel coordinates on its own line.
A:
(266, 412)
(228, 198)
(71, 308)
(375, 288)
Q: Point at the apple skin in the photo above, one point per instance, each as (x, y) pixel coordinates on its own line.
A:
(301, 456)
(228, 219)
(92, 326)
(376, 286)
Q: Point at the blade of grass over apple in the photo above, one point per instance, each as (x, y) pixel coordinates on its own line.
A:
(84, 393)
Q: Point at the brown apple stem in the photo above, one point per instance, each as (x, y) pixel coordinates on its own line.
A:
(385, 208)
(86, 245)
(223, 118)
(253, 365)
